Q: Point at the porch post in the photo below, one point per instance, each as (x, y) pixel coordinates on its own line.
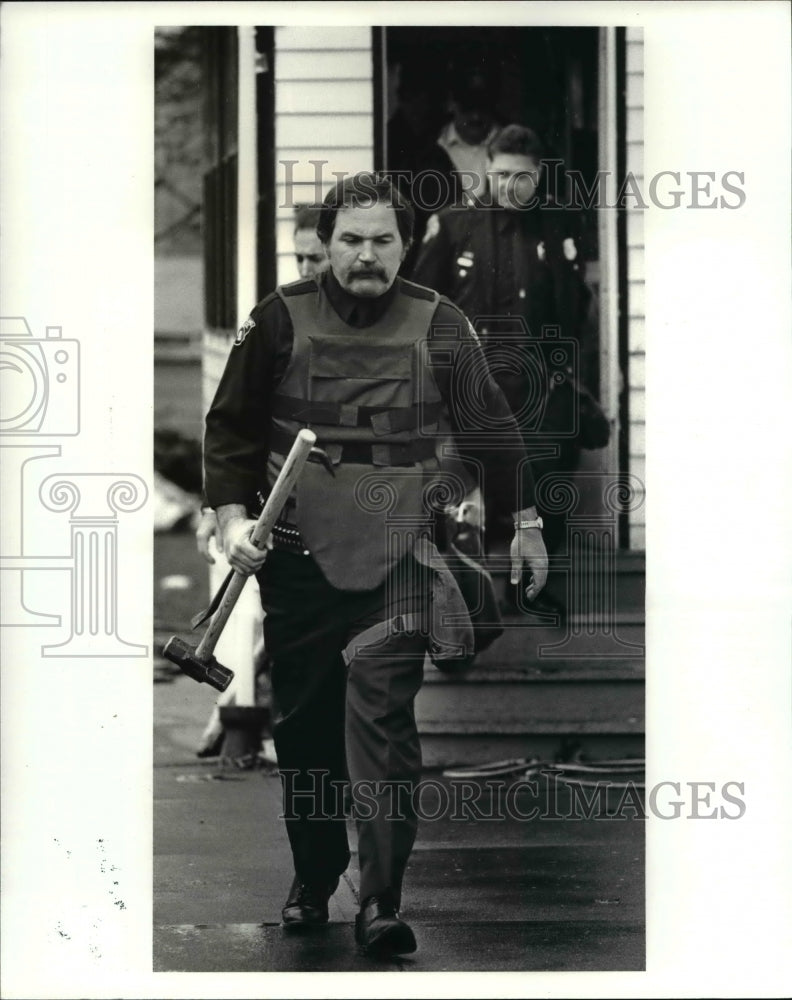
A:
(608, 243)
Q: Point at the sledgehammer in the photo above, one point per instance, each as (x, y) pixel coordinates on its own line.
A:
(200, 663)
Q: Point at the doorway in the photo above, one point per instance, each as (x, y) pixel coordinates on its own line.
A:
(544, 78)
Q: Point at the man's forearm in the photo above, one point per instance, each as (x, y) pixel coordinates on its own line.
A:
(526, 514)
(229, 512)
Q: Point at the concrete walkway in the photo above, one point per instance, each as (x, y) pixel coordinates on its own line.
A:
(486, 891)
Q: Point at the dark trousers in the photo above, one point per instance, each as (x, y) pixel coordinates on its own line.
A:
(334, 723)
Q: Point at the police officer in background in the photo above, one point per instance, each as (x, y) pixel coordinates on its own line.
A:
(353, 588)
(308, 249)
(510, 262)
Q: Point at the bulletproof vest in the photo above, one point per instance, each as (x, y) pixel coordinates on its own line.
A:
(370, 397)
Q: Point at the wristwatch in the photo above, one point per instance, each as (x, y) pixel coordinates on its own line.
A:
(538, 523)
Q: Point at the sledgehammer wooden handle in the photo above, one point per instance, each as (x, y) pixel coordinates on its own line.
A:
(288, 476)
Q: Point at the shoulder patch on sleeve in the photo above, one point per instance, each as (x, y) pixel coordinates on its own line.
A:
(452, 321)
(432, 228)
(244, 330)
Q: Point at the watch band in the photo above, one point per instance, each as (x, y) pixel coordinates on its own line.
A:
(538, 523)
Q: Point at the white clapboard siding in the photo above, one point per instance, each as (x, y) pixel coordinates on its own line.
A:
(323, 97)
(306, 64)
(636, 274)
(324, 112)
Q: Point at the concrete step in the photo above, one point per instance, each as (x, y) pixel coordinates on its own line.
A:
(538, 692)
(529, 671)
(527, 639)
(443, 747)
(535, 705)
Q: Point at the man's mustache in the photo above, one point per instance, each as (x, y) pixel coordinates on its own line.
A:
(369, 272)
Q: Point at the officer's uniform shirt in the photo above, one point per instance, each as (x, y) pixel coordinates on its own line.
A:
(501, 263)
(237, 425)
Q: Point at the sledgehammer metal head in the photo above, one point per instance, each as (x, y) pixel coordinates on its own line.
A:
(205, 671)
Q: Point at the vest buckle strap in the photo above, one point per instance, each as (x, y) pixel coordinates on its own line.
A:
(382, 454)
(383, 420)
(354, 453)
(348, 415)
(406, 418)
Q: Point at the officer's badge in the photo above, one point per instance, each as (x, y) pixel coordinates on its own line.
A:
(570, 250)
(244, 330)
(432, 228)
(465, 262)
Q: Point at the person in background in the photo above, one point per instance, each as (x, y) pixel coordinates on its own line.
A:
(466, 138)
(311, 258)
(451, 169)
(515, 258)
(308, 250)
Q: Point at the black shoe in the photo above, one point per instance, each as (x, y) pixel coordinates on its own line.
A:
(307, 904)
(378, 929)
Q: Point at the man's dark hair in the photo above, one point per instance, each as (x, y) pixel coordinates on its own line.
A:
(306, 217)
(362, 190)
(518, 141)
(474, 89)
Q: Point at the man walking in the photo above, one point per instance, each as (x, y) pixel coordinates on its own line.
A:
(353, 588)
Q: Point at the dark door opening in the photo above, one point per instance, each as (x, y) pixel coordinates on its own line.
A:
(544, 78)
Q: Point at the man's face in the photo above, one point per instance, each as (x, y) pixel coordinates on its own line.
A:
(473, 125)
(514, 179)
(365, 249)
(310, 254)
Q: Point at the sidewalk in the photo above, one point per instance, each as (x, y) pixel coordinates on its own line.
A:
(499, 894)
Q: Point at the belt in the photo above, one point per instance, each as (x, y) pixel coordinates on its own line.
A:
(287, 538)
(288, 514)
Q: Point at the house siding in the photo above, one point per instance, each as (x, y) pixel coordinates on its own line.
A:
(324, 119)
(636, 276)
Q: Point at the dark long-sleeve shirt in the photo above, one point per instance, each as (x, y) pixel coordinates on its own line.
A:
(493, 262)
(236, 442)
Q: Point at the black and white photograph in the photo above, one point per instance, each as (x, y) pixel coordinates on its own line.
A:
(449, 679)
(395, 562)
